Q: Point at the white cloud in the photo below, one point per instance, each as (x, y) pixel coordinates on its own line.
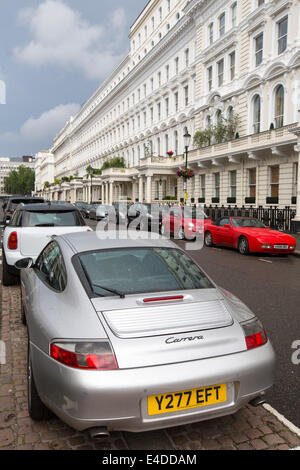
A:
(61, 37)
(49, 123)
(43, 128)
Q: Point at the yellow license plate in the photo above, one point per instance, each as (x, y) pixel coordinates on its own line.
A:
(170, 402)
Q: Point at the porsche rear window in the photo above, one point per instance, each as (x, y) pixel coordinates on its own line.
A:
(134, 270)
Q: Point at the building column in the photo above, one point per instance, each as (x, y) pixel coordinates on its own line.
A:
(111, 192)
(141, 180)
(295, 225)
(149, 188)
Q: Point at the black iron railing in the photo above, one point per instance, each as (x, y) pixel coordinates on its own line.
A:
(273, 217)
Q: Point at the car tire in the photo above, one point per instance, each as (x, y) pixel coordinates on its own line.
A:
(243, 246)
(36, 408)
(208, 240)
(8, 279)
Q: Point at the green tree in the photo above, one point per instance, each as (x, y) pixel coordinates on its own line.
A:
(20, 181)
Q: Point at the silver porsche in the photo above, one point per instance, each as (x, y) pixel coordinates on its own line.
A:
(132, 335)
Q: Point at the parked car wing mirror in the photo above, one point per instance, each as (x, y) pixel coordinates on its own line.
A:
(24, 263)
(227, 226)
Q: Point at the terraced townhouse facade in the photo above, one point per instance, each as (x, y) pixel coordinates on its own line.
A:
(191, 65)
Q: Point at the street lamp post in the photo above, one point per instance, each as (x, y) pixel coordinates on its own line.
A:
(187, 141)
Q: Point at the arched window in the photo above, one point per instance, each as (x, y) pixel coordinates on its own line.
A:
(279, 106)
(256, 114)
(208, 121)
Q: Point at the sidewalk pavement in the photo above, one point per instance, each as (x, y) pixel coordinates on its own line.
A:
(297, 237)
(248, 429)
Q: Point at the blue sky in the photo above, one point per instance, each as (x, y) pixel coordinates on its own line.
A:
(53, 55)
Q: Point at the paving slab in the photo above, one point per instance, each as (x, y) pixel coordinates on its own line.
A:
(248, 429)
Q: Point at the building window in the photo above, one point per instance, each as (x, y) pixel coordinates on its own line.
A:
(158, 146)
(217, 185)
(187, 57)
(221, 72)
(153, 23)
(252, 182)
(167, 106)
(274, 181)
(295, 179)
(260, 3)
(159, 111)
(169, 5)
(209, 77)
(151, 115)
(259, 40)
(157, 190)
(232, 182)
(176, 142)
(186, 95)
(167, 73)
(232, 65)
(176, 100)
(256, 114)
(211, 33)
(166, 143)
(233, 15)
(222, 25)
(160, 14)
(279, 106)
(176, 65)
(282, 35)
(159, 78)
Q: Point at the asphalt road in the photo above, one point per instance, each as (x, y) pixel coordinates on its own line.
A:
(270, 286)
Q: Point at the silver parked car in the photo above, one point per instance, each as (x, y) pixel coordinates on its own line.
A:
(132, 335)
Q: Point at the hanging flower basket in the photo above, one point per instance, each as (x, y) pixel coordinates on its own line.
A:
(183, 173)
(170, 153)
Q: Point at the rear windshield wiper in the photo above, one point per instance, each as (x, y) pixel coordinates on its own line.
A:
(44, 225)
(114, 291)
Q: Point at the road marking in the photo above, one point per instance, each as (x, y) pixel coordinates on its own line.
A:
(282, 419)
(265, 260)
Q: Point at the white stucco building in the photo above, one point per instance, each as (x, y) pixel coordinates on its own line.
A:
(192, 65)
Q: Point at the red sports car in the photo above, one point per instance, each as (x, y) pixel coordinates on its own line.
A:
(185, 222)
(248, 235)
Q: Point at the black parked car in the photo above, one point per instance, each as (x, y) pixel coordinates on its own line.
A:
(84, 208)
(14, 201)
(147, 216)
(101, 211)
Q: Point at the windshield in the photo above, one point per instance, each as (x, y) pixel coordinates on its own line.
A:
(244, 222)
(136, 270)
(193, 213)
(51, 219)
(15, 202)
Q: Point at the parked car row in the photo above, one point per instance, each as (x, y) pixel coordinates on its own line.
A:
(131, 334)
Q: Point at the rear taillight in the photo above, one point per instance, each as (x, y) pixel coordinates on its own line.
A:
(13, 241)
(88, 356)
(255, 334)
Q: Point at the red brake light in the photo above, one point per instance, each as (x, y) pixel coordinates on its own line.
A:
(255, 335)
(88, 356)
(13, 241)
(161, 299)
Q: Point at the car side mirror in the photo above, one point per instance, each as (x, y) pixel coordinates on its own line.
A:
(227, 226)
(24, 263)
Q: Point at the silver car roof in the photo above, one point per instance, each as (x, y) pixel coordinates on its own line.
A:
(91, 241)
